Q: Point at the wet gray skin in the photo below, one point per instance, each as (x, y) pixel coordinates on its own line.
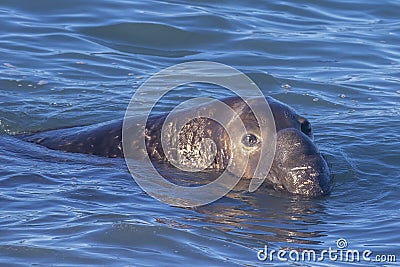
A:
(298, 167)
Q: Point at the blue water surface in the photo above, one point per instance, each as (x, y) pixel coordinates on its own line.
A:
(68, 63)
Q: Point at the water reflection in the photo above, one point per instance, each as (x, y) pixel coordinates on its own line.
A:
(263, 216)
(266, 216)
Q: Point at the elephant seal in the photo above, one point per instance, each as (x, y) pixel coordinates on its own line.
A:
(298, 167)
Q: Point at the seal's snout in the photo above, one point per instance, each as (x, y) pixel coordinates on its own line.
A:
(299, 167)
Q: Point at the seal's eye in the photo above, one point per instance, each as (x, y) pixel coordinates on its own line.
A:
(250, 140)
(306, 127)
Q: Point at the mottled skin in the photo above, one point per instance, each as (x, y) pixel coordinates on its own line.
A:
(298, 167)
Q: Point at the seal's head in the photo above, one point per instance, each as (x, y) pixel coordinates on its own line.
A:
(218, 137)
(298, 167)
(202, 142)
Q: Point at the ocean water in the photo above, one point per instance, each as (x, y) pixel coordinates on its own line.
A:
(67, 63)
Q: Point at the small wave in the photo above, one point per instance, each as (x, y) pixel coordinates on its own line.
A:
(146, 38)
